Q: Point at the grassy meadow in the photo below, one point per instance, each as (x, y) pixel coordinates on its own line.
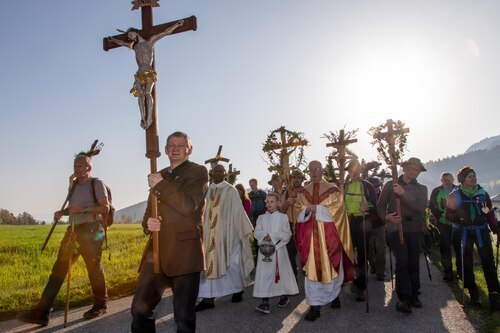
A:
(24, 270)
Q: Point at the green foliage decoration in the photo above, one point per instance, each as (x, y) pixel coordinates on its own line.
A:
(273, 149)
(382, 146)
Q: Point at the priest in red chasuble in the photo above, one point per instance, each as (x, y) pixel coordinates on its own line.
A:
(323, 241)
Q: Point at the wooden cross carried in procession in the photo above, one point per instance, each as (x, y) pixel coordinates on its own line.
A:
(393, 132)
(218, 157)
(231, 174)
(340, 143)
(142, 42)
(286, 147)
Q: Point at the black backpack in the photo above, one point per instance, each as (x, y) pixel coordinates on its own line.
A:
(109, 217)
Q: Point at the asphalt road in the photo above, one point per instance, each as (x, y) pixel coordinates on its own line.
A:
(440, 313)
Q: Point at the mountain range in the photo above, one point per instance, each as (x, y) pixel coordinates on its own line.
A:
(483, 156)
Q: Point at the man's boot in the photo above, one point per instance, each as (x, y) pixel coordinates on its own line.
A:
(494, 301)
(474, 296)
(313, 314)
(36, 316)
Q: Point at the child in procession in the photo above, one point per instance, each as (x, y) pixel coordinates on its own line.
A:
(274, 278)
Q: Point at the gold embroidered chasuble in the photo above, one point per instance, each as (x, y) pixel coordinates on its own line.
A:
(318, 266)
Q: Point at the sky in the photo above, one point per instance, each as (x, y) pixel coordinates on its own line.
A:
(252, 66)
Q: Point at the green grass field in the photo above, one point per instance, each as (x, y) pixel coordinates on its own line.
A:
(24, 270)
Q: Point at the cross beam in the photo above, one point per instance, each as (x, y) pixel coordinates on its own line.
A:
(341, 154)
(390, 138)
(149, 31)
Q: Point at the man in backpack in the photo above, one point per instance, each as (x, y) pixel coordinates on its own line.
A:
(87, 216)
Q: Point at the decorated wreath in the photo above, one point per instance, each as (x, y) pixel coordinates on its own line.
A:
(400, 141)
(274, 149)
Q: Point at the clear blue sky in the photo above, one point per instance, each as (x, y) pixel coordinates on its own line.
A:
(252, 66)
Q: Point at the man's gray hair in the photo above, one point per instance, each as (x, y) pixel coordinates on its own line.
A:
(180, 134)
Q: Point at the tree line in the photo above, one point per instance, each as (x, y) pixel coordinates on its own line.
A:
(25, 218)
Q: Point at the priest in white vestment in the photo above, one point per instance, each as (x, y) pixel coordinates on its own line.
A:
(226, 236)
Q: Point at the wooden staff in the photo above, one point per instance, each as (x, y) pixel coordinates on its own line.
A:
(72, 185)
(69, 250)
(389, 136)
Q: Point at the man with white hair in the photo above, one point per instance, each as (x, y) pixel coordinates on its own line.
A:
(86, 214)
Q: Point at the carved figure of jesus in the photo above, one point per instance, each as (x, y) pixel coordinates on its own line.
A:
(145, 77)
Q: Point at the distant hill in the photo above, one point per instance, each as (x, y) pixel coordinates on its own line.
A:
(485, 161)
(131, 214)
(485, 144)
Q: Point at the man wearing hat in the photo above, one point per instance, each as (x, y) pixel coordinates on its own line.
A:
(288, 199)
(470, 206)
(413, 202)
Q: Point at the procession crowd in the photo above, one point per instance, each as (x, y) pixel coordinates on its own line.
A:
(215, 239)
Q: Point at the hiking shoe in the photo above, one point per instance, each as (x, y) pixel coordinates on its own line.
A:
(474, 297)
(95, 311)
(448, 277)
(335, 303)
(263, 307)
(360, 296)
(283, 301)
(203, 305)
(237, 297)
(36, 316)
(416, 303)
(403, 307)
(313, 313)
(494, 301)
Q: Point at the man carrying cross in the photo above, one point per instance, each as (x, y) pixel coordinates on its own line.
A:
(413, 199)
(145, 77)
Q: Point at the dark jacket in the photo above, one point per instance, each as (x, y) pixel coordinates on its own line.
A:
(413, 206)
(181, 203)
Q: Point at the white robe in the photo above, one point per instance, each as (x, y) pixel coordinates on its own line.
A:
(231, 243)
(319, 293)
(277, 226)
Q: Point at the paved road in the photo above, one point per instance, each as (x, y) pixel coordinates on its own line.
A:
(440, 313)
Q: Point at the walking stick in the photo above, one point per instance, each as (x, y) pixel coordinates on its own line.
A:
(462, 250)
(496, 263)
(390, 264)
(71, 188)
(69, 250)
(366, 265)
(427, 262)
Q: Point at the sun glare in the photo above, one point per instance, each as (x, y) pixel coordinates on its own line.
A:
(401, 80)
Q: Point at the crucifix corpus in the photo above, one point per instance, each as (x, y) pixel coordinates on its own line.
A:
(290, 141)
(142, 42)
(342, 154)
(395, 132)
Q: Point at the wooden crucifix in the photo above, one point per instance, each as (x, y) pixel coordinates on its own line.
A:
(390, 138)
(231, 174)
(286, 148)
(218, 157)
(341, 155)
(142, 42)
